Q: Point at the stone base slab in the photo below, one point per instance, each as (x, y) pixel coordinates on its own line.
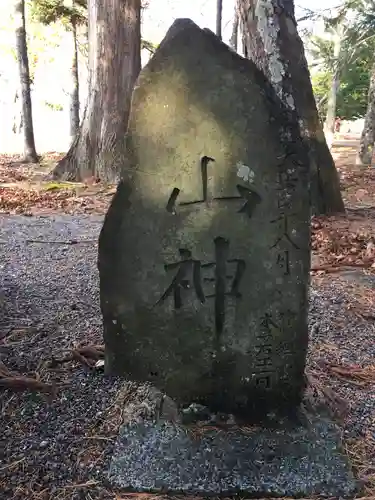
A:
(301, 460)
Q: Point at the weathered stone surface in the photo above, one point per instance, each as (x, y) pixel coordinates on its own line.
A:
(301, 461)
(204, 264)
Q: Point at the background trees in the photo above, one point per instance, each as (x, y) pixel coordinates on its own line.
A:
(351, 95)
(71, 17)
(363, 34)
(353, 65)
(114, 64)
(340, 57)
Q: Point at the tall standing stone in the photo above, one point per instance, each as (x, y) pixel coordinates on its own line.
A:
(204, 253)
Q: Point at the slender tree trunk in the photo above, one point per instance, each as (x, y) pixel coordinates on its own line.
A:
(329, 125)
(233, 42)
(98, 150)
(366, 148)
(74, 96)
(271, 40)
(24, 72)
(219, 17)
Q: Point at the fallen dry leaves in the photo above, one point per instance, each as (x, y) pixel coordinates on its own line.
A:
(30, 201)
(342, 241)
(25, 189)
(348, 239)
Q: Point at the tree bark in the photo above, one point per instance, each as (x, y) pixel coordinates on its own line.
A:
(219, 17)
(366, 148)
(24, 72)
(233, 42)
(74, 96)
(98, 150)
(329, 125)
(271, 40)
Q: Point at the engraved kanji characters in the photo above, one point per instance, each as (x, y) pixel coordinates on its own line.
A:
(189, 273)
(250, 197)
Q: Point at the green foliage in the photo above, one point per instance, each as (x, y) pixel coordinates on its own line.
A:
(355, 62)
(53, 107)
(351, 97)
(321, 50)
(151, 47)
(354, 84)
(321, 82)
(51, 11)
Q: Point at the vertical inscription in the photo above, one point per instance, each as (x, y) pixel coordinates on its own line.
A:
(287, 179)
(272, 328)
(287, 325)
(263, 369)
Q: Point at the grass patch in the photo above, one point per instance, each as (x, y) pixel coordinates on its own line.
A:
(54, 185)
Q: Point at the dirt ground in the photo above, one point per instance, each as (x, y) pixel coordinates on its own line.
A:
(56, 364)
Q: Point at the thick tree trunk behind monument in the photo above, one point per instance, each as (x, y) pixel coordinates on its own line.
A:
(24, 72)
(114, 64)
(74, 96)
(271, 40)
(366, 148)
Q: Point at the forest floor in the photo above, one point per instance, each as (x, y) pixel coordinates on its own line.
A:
(59, 427)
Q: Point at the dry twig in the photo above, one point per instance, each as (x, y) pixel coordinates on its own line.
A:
(18, 382)
(86, 355)
(69, 242)
(337, 268)
(354, 374)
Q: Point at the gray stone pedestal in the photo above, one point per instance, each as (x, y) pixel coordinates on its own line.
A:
(303, 460)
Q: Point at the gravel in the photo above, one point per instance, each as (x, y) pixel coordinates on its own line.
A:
(50, 296)
(49, 302)
(340, 336)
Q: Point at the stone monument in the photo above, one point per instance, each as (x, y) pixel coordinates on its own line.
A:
(204, 255)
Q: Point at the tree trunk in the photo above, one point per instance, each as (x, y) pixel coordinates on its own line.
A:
(271, 40)
(233, 42)
(74, 96)
(24, 72)
(329, 125)
(98, 150)
(17, 117)
(219, 17)
(366, 148)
